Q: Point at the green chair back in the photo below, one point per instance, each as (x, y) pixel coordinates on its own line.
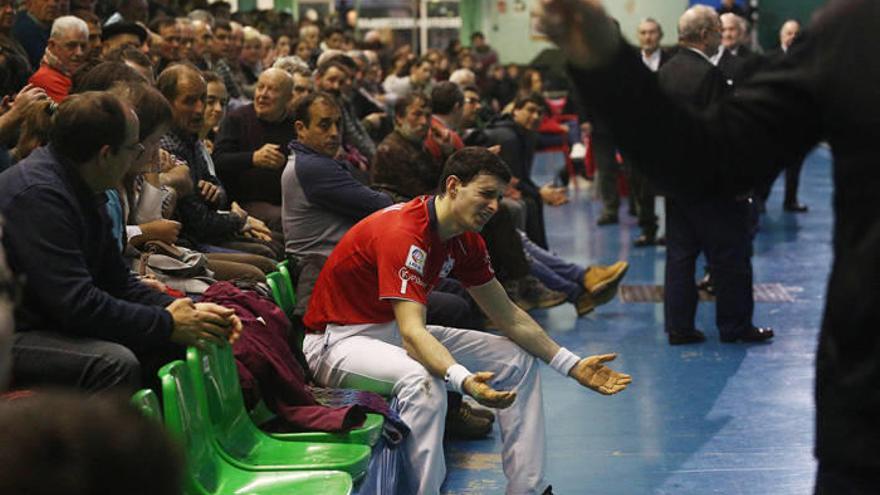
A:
(288, 282)
(241, 441)
(208, 472)
(147, 402)
(214, 373)
(185, 420)
(281, 292)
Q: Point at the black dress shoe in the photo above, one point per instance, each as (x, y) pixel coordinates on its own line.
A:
(706, 284)
(753, 334)
(692, 336)
(644, 240)
(795, 207)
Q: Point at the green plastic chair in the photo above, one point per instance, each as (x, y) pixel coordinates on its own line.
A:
(215, 377)
(209, 472)
(217, 364)
(280, 293)
(147, 402)
(288, 282)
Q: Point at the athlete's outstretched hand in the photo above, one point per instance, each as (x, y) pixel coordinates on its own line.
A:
(477, 386)
(592, 373)
(581, 28)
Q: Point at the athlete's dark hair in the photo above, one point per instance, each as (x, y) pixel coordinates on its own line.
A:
(469, 162)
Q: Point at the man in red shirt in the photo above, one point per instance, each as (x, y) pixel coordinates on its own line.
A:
(66, 52)
(367, 330)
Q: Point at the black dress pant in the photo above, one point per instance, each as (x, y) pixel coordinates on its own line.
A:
(608, 170)
(505, 246)
(643, 195)
(720, 228)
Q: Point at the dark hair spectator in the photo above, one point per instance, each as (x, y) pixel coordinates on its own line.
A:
(15, 68)
(82, 445)
(324, 67)
(402, 104)
(86, 122)
(170, 77)
(103, 76)
(152, 109)
(444, 97)
(469, 162)
(211, 77)
(302, 111)
(34, 129)
(524, 98)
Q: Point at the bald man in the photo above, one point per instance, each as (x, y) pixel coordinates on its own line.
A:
(251, 148)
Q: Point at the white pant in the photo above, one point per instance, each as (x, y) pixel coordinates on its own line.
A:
(371, 357)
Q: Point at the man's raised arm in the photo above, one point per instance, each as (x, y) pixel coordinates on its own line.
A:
(519, 327)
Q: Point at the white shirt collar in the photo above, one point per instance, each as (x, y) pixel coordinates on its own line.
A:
(652, 60)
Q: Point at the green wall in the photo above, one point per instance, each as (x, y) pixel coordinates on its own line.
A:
(508, 33)
(775, 12)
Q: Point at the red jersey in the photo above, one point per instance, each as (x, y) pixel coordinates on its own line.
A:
(394, 253)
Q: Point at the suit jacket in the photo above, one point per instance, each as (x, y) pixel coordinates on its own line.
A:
(692, 79)
(807, 96)
(737, 68)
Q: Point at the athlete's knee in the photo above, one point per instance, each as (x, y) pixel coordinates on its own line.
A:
(421, 388)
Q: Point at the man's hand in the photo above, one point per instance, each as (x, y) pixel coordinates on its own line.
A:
(496, 150)
(256, 229)
(375, 119)
(224, 312)
(269, 156)
(158, 230)
(153, 283)
(196, 323)
(477, 386)
(553, 196)
(209, 191)
(592, 373)
(581, 28)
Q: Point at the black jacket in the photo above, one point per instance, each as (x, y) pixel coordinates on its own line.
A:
(810, 95)
(58, 236)
(517, 150)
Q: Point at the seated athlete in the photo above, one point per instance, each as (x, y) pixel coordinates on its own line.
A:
(367, 330)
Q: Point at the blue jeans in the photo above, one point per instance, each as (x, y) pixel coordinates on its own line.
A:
(553, 271)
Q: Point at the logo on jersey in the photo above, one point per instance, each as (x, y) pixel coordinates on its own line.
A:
(447, 266)
(416, 259)
(406, 277)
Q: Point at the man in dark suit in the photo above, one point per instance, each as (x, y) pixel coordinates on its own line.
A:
(717, 226)
(650, 33)
(789, 34)
(792, 105)
(738, 62)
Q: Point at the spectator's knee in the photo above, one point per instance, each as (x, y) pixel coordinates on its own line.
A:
(116, 368)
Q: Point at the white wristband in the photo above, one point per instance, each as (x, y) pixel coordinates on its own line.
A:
(455, 376)
(564, 361)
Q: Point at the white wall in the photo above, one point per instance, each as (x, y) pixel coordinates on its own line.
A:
(508, 33)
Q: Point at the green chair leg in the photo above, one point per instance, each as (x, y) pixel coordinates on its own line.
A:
(218, 393)
(210, 473)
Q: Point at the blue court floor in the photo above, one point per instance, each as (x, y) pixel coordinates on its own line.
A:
(700, 419)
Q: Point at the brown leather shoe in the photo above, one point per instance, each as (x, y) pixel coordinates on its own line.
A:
(464, 424)
(480, 412)
(584, 304)
(602, 281)
(540, 297)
